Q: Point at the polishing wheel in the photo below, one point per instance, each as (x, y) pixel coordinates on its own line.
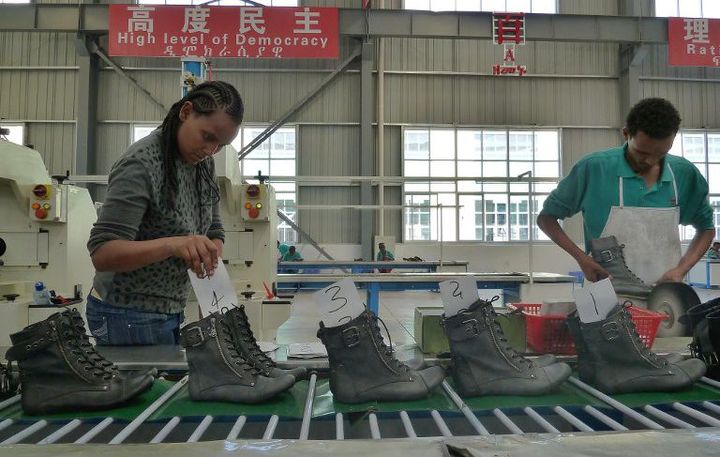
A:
(673, 299)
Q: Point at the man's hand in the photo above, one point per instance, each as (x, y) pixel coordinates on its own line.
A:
(676, 274)
(591, 269)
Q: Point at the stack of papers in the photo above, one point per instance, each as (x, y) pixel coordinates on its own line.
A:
(268, 348)
(306, 350)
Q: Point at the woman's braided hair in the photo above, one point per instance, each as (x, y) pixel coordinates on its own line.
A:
(206, 98)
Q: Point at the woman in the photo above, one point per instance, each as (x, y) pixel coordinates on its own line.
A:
(161, 217)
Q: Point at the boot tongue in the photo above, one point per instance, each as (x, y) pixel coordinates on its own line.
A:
(227, 334)
(242, 323)
(71, 321)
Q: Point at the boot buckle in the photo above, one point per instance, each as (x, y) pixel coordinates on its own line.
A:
(611, 331)
(351, 336)
(192, 340)
(606, 255)
(471, 326)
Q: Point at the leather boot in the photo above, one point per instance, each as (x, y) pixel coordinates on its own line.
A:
(697, 313)
(60, 370)
(363, 368)
(247, 346)
(609, 254)
(8, 382)
(218, 371)
(617, 361)
(584, 365)
(484, 363)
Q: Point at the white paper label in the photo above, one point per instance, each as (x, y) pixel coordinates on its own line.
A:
(214, 292)
(458, 294)
(595, 300)
(339, 303)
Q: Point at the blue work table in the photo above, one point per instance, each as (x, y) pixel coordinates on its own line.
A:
(374, 283)
(361, 266)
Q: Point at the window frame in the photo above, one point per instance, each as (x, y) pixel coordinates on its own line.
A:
(481, 9)
(509, 191)
(14, 125)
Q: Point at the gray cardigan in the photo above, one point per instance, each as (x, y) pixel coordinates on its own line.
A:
(136, 209)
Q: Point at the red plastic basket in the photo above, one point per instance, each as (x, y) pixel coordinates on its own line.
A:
(549, 334)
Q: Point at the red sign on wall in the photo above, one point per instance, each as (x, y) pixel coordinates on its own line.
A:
(223, 31)
(694, 42)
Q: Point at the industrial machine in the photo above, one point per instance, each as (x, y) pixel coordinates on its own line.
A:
(44, 229)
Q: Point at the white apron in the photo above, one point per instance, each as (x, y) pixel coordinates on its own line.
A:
(650, 235)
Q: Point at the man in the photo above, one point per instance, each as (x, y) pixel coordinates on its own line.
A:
(282, 249)
(637, 193)
(714, 252)
(384, 255)
(292, 255)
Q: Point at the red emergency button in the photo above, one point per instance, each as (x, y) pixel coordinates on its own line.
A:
(253, 213)
(41, 213)
(253, 191)
(40, 191)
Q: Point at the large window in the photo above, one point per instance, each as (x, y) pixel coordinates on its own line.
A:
(687, 8)
(513, 6)
(702, 148)
(17, 133)
(14, 1)
(472, 194)
(274, 157)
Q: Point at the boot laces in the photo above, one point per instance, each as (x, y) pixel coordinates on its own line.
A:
(243, 325)
(621, 255)
(386, 351)
(226, 334)
(93, 361)
(499, 334)
(637, 341)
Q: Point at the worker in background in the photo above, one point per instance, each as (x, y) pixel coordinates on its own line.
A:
(384, 255)
(714, 252)
(282, 249)
(161, 217)
(638, 193)
(292, 255)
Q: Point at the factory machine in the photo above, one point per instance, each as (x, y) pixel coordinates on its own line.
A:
(44, 227)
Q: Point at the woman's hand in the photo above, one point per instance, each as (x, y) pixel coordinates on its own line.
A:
(198, 251)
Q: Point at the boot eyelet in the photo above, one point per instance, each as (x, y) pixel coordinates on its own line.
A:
(252, 384)
(411, 379)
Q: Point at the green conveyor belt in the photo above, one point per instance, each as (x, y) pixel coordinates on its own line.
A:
(291, 403)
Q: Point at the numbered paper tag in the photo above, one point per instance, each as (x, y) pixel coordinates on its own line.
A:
(339, 303)
(458, 294)
(214, 292)
(595, 300)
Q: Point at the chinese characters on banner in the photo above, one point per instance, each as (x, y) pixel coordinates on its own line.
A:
(694, 42)
(223, 31)
(508, 31)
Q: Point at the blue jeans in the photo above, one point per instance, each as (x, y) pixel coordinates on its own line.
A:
(115, 326)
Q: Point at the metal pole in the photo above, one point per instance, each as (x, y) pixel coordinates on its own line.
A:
(407, 423)
(64, 430)
(132, 426)
(616, 404)
(613, 424)
(235, 431)
(469, 415)
(695, 414)
(339, 430)
(667, 417)
(374, 427)
(442, 426)
(197, 434)
(577, 423)
(93, 432)
(540, 420)
(270, 430)
(307, 413)
(507, 422)
(16, 438)
(165, 431)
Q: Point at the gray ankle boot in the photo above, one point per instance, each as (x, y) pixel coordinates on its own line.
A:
(609, 254)
(585, 367)
(247, 345)
(484, 363)
(218, 371)
(613, 357)
(8, 382)
(363, 368)
(61, 371)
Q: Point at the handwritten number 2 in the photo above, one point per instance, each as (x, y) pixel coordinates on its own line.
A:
(456, 292)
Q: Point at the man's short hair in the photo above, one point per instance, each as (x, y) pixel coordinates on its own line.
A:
(657, 117)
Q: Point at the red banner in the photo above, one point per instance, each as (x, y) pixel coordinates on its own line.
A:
(223, 31)
(694, 42)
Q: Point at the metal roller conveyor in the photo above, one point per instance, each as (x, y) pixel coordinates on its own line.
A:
(165, 414)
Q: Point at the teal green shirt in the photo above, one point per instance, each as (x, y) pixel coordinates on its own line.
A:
(291, 257)
(592, 187)
(283, 249)
(383, 257)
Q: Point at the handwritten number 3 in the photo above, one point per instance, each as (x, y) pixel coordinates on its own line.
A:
(335, 298)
